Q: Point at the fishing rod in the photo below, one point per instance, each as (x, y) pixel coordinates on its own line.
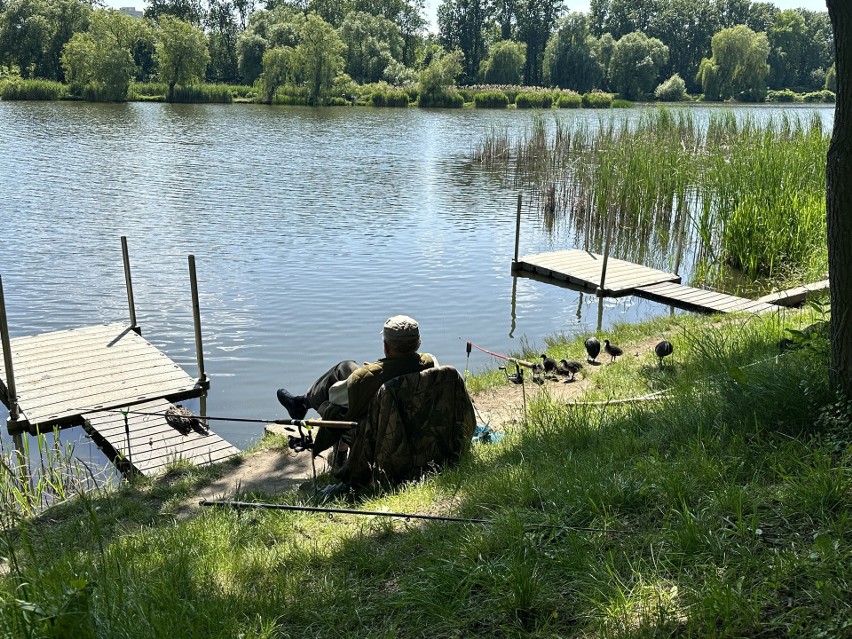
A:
(506, 357)
(241, 505)
(307, 423)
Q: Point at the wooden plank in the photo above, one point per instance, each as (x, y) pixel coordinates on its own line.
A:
(154, 444)
(60, 375)
(796, 295)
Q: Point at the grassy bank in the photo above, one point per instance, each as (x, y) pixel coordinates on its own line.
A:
(727, 507)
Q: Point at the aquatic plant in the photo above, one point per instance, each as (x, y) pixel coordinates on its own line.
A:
(744, 192)
(491, 100)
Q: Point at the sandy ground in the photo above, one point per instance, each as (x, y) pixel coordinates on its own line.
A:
(275, 471)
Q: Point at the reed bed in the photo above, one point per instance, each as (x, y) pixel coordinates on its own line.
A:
(740, 192)
(18, 89)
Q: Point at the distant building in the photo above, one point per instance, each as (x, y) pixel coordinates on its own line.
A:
(131, 11)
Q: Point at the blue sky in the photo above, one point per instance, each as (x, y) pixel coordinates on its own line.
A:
(432, 5)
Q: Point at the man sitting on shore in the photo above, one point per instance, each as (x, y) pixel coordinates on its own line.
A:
(345, 391)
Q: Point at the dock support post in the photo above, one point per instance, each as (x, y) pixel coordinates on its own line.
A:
(11, 390)
(126, 257)
(196, 318)
(607, 239)
(517, 231)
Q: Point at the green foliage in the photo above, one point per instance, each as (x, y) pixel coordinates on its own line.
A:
(389, 97)
(785, 95)
(618, 103)
(20, 89)
(635, 65)
(491, 100)
(672, 90)
(450, 99)
(831, 79)
(280, 66)
(461, 27)
(819, 96)
(99, 63)
(319, 53)
(597, 100)
(787, 41)
(371, 43)
(438, 79)
(181, 53)
(569, 100)
(203, 94)
(738, 67)
(504, 64)
(570, 57)
(541, 99)
(34, 32)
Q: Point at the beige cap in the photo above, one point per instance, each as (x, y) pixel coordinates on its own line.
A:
(400, 328)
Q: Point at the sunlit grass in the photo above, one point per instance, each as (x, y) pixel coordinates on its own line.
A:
(722, 510)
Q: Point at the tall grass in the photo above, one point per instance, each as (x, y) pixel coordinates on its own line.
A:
(19, 89)
(748, 193)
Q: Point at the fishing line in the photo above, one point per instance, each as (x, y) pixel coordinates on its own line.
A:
(239, 505)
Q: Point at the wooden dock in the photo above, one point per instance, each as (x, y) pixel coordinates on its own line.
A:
(153, 443)
(583, 270)
(59, 376)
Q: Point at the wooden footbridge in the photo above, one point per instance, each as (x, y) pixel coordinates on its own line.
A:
(610, 277)
(102, 377)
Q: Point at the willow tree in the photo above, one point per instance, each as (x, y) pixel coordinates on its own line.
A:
(839, 201)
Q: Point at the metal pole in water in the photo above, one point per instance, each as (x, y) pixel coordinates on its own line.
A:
(11, 390)
(196, 318)
(126, 256)
(607, 240)
(517, 230)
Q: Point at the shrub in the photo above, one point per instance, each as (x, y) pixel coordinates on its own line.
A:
(569, 100)
(618, 103)
(203, 94)
(534, 100)
(491, 100)
(597, 100)
(18, 89)
(672, 90)
(337, 101)
(467, 93)
(785, 95)
(389, 98)
(819, 96)
(445, 99)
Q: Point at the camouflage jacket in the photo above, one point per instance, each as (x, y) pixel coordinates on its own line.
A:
(416, 422)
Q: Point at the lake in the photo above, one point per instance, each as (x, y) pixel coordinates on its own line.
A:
(309, 226)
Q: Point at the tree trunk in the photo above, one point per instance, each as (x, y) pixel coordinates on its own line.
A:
(839, 202)
(171, 97)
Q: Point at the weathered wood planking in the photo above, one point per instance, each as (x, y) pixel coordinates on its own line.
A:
(795, 296)
(702, 300)
(61, 375)
(154, 444)
(582, 268)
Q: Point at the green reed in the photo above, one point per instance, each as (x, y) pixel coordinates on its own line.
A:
(18, 89)
(746, 193)
(53, 474)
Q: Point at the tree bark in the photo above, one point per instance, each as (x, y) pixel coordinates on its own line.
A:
(839, 202)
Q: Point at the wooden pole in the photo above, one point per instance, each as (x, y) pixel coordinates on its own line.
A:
(607, 240)
(679, 242)
(126, 257)
(196, 318)
(517, 230)
(11, 390)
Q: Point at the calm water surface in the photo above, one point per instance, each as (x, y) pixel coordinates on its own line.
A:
(309, 227)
